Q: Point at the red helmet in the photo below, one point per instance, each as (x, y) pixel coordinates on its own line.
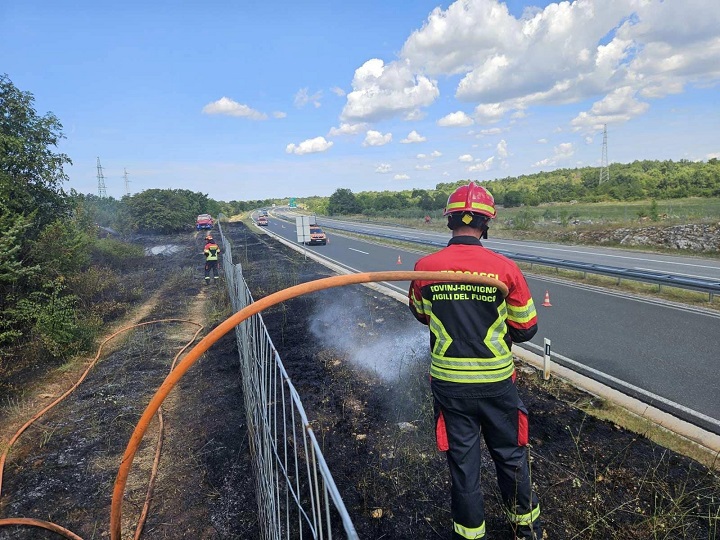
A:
(471, 198)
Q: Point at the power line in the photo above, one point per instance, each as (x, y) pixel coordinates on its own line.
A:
(604, 171)
(102, 192)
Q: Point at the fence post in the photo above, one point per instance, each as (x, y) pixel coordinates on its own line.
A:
(546, 360)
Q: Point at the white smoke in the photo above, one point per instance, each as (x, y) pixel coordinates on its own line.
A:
(356, 327)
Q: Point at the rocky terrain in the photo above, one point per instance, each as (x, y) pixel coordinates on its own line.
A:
(692, 238)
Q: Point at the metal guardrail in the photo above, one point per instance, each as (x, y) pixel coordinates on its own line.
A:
(711, 287)
(295, 491)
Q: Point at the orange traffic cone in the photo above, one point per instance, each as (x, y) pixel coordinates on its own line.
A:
(399, 261)
(547, 303)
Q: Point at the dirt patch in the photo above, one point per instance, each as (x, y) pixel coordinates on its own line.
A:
(359, 362)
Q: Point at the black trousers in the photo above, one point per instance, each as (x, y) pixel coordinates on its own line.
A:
(502, 421)
(211, 266)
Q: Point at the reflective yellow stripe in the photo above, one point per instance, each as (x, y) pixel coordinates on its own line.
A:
(477, 376)
(474, 533)
(524, 519)
(484, 207)
(494, 338)
(442, 338)
(473, 206)
(417, 304)
(522, 314)
(451, 206)
(471, 364)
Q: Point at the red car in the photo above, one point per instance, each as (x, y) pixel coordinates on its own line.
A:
(204, 221)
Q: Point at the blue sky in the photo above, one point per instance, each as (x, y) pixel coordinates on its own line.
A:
(251, 100)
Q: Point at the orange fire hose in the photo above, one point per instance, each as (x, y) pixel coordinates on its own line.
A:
(256, 307)
(3, 457)
(41, 524)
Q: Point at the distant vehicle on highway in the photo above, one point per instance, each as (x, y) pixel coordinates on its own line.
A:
(263, 220)
(317, 236)
(204, 221)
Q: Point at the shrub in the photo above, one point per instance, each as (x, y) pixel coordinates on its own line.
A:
(114, 253)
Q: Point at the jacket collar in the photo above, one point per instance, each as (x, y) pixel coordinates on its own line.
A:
(465, 240)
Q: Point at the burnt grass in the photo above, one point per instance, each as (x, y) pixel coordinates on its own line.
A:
(359, 362)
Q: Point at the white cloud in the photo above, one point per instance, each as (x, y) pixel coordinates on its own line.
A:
(383, 91)
(488, 113)
(337, 91)
(347, 129)
(383, 168)
(413, 137)
(401, 177)
(617, 107)
(414, 115)
(490, 131)
(713, 155)
(279, 114)
(303, 97)
(562, 151)
(228, 107)
(436, 153)
(465, 158)
(482, 165)
(422, 167)
(542, 141)
(456, 119)
(309, 146)
(421, 156)
(566, 52)
(502, 151)
(375, 138)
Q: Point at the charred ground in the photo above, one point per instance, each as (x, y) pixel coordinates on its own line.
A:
(594, 479)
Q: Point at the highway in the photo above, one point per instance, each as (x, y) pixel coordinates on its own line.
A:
(695, 267)
(643, 346)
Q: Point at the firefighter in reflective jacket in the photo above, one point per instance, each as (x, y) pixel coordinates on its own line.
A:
(472, 328)
(211, 252)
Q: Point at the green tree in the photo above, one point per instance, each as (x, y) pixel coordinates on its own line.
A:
(15, 271)
(654, 213)
(343, 201)
(163, 211)
(31, 171)
(513, 198)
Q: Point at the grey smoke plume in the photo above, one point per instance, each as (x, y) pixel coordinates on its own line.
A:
(389, 348)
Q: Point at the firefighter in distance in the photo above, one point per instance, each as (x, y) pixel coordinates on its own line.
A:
(211, 253)
(472, 328)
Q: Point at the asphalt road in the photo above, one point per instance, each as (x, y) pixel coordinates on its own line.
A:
(666, 354)
(695, 267)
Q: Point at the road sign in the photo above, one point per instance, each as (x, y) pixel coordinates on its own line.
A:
(302, 224)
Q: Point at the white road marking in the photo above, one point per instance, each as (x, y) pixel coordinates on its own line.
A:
(363, 252)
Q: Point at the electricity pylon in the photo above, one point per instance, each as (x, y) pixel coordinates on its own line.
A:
(102, 192)
(604, 171)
